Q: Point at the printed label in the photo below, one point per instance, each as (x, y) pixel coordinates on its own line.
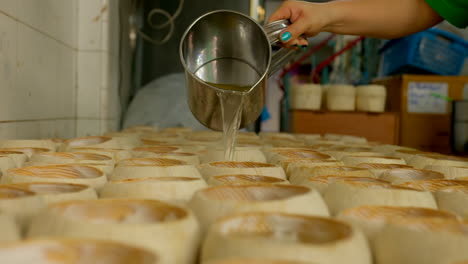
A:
(427, 97)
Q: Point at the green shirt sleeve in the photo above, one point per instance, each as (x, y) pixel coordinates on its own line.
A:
(454, 11)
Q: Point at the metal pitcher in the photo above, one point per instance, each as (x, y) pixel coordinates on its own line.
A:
(227, 47)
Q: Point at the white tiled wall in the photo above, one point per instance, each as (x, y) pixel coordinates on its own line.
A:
(58, 68)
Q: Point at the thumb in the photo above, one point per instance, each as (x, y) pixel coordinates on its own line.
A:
(292, 32)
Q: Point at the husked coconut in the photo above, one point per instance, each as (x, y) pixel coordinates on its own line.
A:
(73, 251)
(422, 160)
(209, 170)
(453, 199)
(422, 241)
(450, 172)
(241, 153)
(345, 194)
(167, 230)
(9, 229)
(300, 174)
(101, 142)
(378, 169)
(321, 183)
(285, 237)
(356, 160)
(212, 203)
(371, 219)
(53, 192)
(397, 176)
(65, 173)
(242, 179)
(153, 167)
(170, 189)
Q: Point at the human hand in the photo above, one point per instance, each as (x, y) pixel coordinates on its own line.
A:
(308, 19)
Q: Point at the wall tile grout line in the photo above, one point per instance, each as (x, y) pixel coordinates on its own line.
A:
(48, 35)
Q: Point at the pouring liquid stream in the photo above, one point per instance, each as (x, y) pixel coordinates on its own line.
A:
(231, 111)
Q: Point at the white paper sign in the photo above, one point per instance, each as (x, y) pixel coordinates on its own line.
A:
(427, 97)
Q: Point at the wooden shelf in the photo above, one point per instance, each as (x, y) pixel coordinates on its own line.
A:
(380, 127)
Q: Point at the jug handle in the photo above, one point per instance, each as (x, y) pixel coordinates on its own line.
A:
(283, 55)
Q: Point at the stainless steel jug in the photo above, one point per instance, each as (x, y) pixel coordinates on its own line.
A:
(229, 48)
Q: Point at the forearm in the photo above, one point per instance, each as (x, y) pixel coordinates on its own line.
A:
(380, 18)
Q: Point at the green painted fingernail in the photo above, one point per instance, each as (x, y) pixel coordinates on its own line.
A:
(285, 36)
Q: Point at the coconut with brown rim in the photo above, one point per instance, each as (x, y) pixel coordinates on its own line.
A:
(116, 154)
(408, 154)
(307, 137)
(450, 172)
(177, 130)
(453, 199)
(241, 153)
(6, 163)
(28, 151)
(422, 160)
(153, 167)
(141, 129)
(213, 203)
(171, 189)
(53, 192)
(371, 219)
(356, 160)
(320, 183)
(9, 229)
(69, 157)
(397, 176)
(287, 237)
(28, 143)
(276, 155)
(326, 142)
(167, 230)
(270, 151)
(161, 139)
(76, 251)
(283, 142)
(18, 157)
(289, 165)
(344, 138)
(157, 149)
(242, 179)
(19, 203)
(237, 167)
(65, 173)
(167, 152)
(389, 149)
(276, 135)
(342, 151)
(433, 185)
(349, 193)
(253, 261)
(422, 241)
(378, 169)
(101, 142)
(299, 174)
(207, 138)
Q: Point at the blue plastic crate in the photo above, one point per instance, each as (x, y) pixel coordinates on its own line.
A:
(432, 51)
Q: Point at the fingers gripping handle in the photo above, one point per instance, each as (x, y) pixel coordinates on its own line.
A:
(283, 55)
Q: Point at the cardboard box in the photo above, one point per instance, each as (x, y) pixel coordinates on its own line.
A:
(381, 127)
(424, 114)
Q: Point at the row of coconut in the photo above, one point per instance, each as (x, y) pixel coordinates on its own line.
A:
(251, 213)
